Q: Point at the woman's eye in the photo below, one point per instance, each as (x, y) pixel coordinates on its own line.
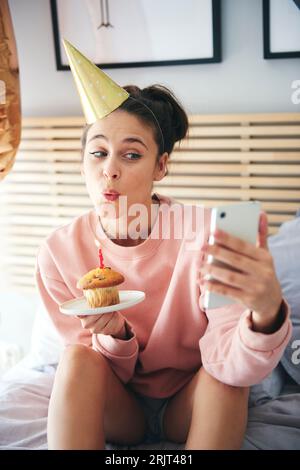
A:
(133, 156)
(129, 156)
(98, 154)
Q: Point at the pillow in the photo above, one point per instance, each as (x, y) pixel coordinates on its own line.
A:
(46, 344)
(269, 388)
(285, 248)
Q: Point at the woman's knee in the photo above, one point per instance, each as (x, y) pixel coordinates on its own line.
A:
(208, 380)
(80, 360)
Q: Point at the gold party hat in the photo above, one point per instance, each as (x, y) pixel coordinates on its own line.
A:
(99, 94)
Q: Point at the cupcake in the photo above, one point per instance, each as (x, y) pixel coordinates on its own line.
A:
(99, 287)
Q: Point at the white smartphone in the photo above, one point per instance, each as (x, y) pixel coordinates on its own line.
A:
(241, 220)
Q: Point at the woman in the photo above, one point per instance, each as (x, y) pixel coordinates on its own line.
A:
(162, 369)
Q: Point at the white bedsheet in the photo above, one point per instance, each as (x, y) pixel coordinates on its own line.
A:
(274, 415)
(24, 398)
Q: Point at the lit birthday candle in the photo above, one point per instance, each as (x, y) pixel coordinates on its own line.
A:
(100, 258)
(101, 261)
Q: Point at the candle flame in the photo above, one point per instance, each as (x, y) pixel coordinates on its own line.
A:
(97, 243)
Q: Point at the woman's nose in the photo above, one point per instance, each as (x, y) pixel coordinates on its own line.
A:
(111, 172)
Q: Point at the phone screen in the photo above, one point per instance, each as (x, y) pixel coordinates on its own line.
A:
(240, 220)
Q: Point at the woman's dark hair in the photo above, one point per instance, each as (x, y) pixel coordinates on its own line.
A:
(169, 113)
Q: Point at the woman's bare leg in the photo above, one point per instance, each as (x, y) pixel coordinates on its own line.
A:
(207, 414)
(89, 404)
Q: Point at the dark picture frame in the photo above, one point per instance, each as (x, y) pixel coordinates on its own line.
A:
(214, 41)
(269, 52)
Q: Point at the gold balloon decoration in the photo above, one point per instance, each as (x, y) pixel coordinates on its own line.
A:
(10, 103)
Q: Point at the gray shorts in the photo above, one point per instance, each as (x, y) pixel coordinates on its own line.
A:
(154, 409)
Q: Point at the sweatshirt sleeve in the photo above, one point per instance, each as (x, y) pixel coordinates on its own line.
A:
(122, 354)
(235, 354)
(53, 291)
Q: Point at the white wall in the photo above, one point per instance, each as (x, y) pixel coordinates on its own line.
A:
(243, 82)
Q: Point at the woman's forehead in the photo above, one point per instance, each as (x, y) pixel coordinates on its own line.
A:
(120, 123)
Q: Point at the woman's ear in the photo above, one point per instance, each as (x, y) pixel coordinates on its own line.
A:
(161, 167)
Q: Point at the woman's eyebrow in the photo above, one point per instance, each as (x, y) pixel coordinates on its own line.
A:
(127, 139)
(135, 139)
(97, 136)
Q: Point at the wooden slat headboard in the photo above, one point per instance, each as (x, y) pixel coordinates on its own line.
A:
(225, 158)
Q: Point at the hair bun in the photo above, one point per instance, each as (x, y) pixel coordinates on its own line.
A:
(171, 117)
(177, 115)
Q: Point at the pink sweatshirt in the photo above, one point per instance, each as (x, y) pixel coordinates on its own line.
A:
(172, 336)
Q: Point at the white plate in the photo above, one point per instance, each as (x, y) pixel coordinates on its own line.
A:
(128, 298)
